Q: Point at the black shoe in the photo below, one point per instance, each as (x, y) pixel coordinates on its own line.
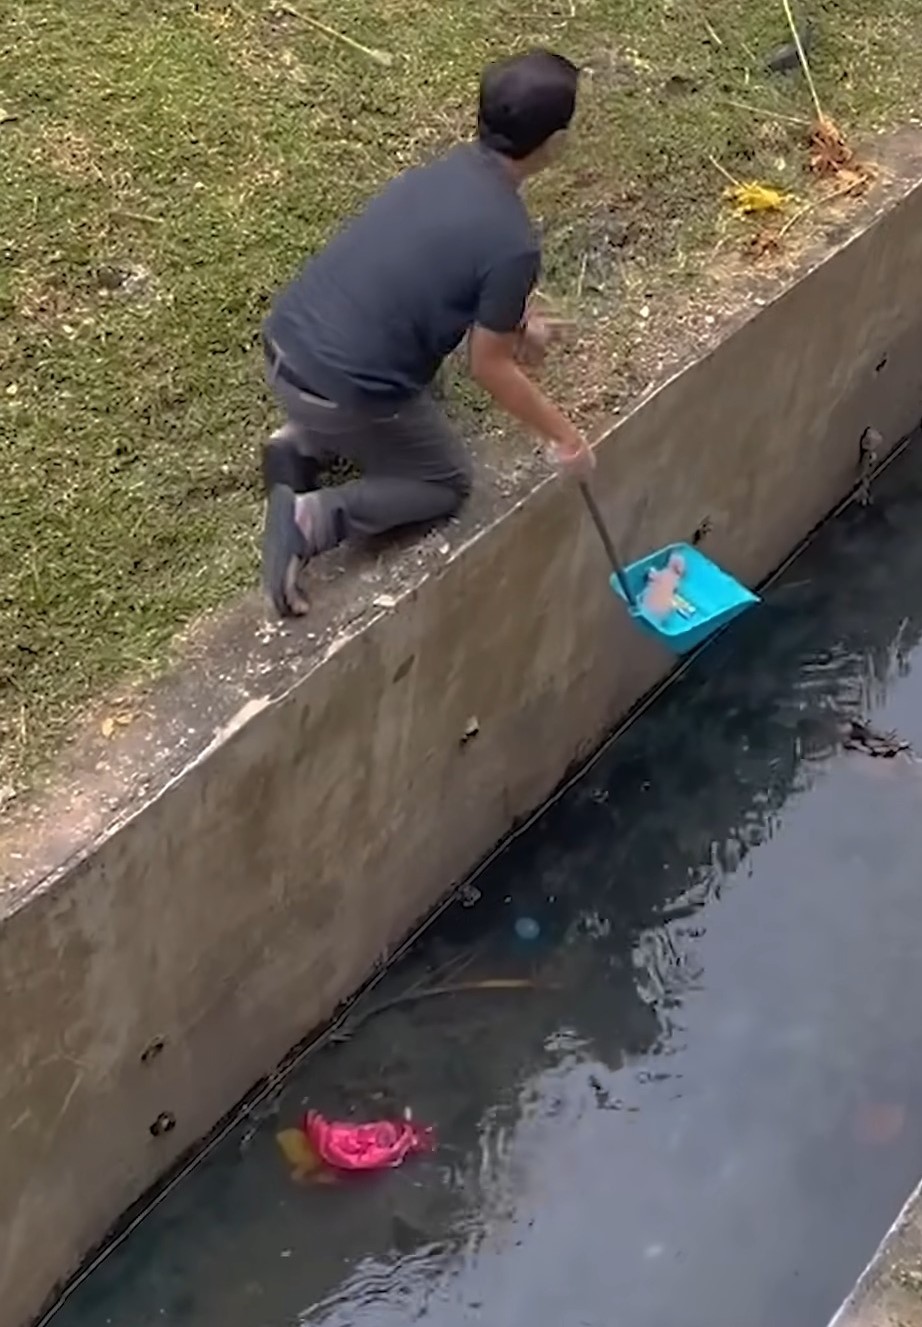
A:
(283, 464)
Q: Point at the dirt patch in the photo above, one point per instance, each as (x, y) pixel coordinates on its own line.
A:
(70, 153)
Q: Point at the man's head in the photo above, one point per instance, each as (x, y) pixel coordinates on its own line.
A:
(526, 104)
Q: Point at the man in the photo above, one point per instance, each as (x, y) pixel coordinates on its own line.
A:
(353, 344)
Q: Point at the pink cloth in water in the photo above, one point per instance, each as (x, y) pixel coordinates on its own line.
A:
(377, 1146)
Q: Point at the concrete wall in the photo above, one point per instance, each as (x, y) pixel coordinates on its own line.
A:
(231, 912)
(889, 1294)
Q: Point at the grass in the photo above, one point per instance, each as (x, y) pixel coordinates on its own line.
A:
(165, 166)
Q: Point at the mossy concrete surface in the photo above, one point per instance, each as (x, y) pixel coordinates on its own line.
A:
(165, 166)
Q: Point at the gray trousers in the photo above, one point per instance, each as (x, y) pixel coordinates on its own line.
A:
(414, 467)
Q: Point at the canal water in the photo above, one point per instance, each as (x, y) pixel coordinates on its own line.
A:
(705, 1104)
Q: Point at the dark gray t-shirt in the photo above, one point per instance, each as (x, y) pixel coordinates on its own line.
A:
(442, 247)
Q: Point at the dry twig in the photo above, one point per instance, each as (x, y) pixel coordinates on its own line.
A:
(380, 57)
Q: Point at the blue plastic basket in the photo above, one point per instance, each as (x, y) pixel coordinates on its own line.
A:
(711, 598)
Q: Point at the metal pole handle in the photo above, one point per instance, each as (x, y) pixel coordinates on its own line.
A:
(598, 521)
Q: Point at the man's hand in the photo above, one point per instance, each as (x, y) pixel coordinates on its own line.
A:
(538, 334)
(533, 342)
(576, 460)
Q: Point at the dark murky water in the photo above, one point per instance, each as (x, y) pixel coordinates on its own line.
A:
(711, 1109)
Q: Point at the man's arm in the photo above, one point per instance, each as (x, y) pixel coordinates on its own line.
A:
(494, 363)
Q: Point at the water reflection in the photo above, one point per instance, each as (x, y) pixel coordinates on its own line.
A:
(710, 1105)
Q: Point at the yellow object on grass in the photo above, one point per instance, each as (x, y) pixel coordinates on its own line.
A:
(750, 197)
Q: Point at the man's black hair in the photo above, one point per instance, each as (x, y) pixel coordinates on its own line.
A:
(524, 100)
